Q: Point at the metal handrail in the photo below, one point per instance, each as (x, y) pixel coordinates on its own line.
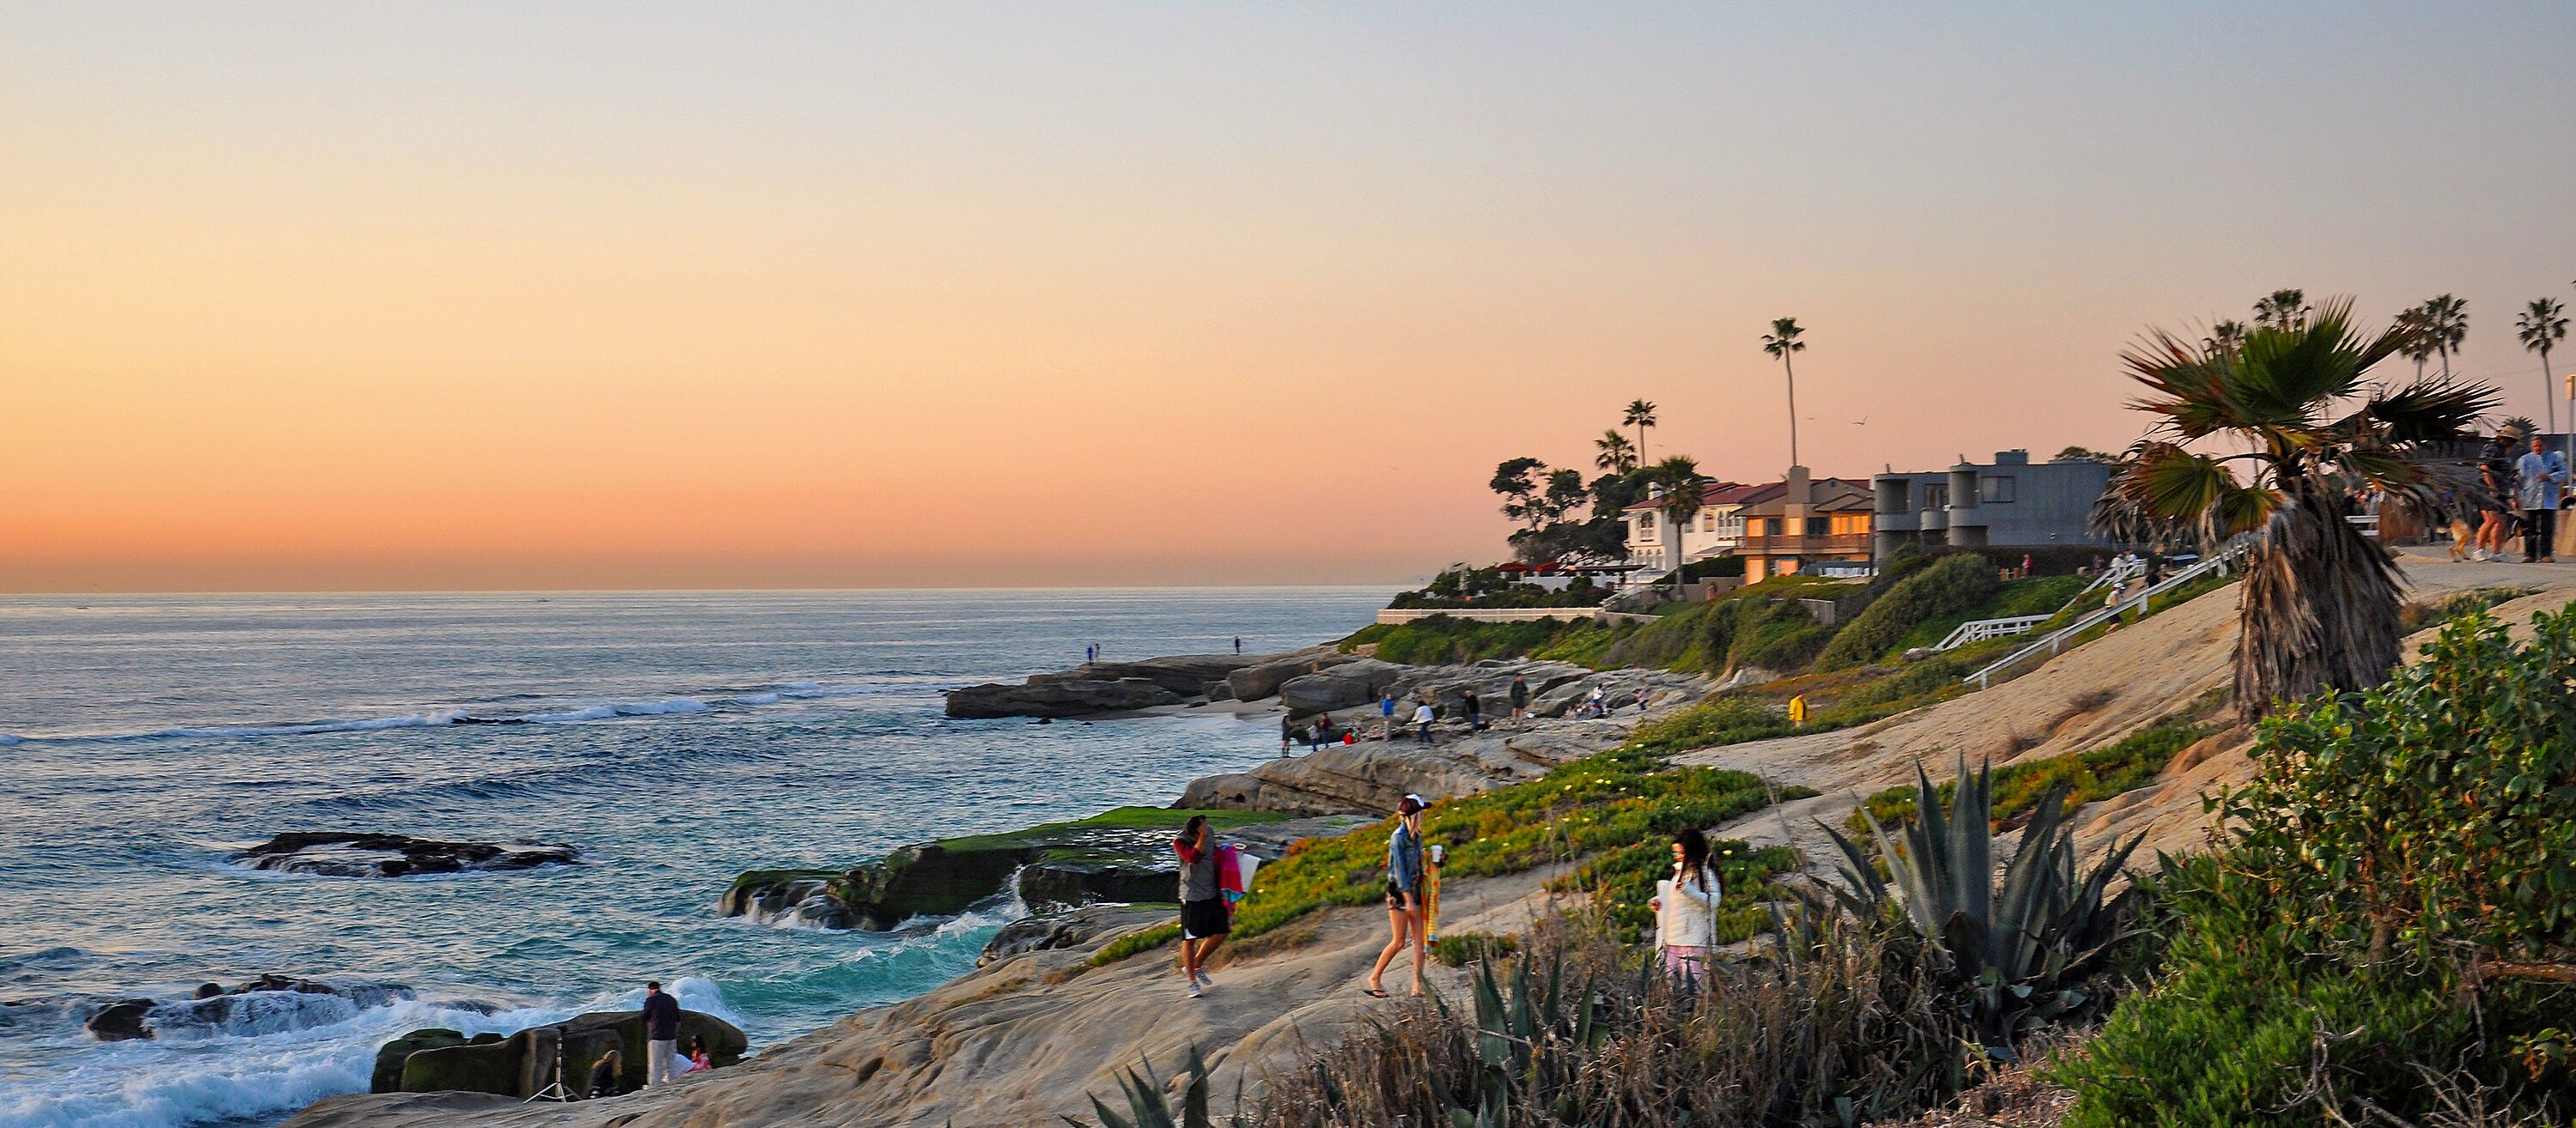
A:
(2056, 639)
(1979, 630)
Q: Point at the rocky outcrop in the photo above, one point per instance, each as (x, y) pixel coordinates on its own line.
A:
(1344, 685)
(267, 1003)
(353, 854)
(1120, 855)
(1263, 678)
(1065, 930)
(432, 1061)
(1069, 698)
(1117, 687)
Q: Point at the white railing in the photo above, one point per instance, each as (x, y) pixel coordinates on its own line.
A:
(1982, 629)
(2219, 561)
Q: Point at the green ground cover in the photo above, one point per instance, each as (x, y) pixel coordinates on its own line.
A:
(2126, 764)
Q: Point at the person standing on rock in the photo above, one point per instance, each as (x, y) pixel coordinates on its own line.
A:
(661, 1034)
(1287, 733)
(1474, 710)
(1423, 715)
(1386, 715)
(1204, 920)
(1520, 701)
(1403, 896)
(1238, 644)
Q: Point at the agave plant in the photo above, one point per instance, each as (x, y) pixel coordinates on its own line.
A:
(2019, 949)
(1146, 1107)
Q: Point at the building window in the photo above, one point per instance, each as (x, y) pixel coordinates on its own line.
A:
(1994, 489)
(1936, 497)
(1819, 526)
(1708, 522)
(1645, 525)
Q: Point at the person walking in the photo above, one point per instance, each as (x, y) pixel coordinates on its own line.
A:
(1520, 701)
(661, 1033)
(1403, 896)
(1685, 907)
(1386, 715)
(2495, 473)
(1204, 919)
(1641, 701)
(2539, 476)
(1474, 710)
(1423, 715)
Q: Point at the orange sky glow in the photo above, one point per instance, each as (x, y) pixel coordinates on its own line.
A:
(306, 299)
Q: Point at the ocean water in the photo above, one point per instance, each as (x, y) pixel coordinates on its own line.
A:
(676, 739)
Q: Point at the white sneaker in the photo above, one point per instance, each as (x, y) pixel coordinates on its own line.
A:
(1194, 990)
(1203, 979)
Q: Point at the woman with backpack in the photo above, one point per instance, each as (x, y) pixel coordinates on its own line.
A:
(1685, 908)
(1403, 896)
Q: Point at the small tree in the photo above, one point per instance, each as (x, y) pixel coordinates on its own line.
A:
(1518, 481)
(1617, 455)
(1641, 415)
(2543, 324)
(1782, 341)
(2321, 600)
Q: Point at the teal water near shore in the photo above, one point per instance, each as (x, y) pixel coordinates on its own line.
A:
(676, 739)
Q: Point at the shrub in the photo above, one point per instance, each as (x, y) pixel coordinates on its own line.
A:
(1458, 949)
(2401, 859)
(1954, 585)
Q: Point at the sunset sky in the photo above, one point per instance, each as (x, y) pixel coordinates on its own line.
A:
(311, 296)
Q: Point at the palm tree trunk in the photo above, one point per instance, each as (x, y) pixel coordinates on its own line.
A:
(2319, 607)
(2548, 395)
(1792, 373)
(1641, 444)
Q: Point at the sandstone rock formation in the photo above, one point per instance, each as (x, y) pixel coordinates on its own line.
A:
(358, 854)
(428, 1061)
(1070, 698)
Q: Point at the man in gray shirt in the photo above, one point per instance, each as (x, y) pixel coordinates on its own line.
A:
(2538, 476)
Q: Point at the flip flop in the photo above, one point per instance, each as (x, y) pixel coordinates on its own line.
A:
(1372, 992)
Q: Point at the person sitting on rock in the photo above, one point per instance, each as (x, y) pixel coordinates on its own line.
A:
(699, 1059)
(603, 1076)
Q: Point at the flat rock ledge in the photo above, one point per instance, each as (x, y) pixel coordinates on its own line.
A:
(360, 854)
(1094, 688)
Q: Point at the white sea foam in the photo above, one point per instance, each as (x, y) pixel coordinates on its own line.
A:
(264, 1068)
(622, 709)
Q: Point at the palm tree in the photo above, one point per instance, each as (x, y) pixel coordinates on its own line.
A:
(2543, 324)
(2283, 309)
(2416, 322)
(2446, 321)
(1617, 456)
(1641, 415)
(1682, 487)
(2224, 335)
(1781, 341)
(2320, 600)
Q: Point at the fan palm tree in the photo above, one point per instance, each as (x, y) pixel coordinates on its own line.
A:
(2543, 324)
(2224, 335)
(1681, 487)
(2282, 309)
(2320, 600)
(1641, 415)
(1617, 456)
(2446, 320)
(2416, 323)
(1781, 341)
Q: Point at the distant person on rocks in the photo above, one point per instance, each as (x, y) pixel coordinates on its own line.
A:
(603, 1076)
(1520, 701)
(1423, 715)
(1238, 644)
(1204, 920)
(1592, 702)
(1474, 710)
(1322, 732)
(700, 1060)
(661, 1034)
(1641, 701)
(1287, 733)
(1386, 715)
(1403, 896)
(1685, 908)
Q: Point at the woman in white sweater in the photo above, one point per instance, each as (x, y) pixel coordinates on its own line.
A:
(1685, 907)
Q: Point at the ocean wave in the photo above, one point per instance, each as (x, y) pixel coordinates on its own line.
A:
(749, 698)
(263, 1069)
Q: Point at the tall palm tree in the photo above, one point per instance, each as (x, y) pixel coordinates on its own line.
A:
(1683, 487)
(2446, 319)
(2320, 601)
(1641, 415)
(2224, 335)
(2416, 323)
(1617, 456)
(2542, 325)
(1782, 341)
(2282, 309)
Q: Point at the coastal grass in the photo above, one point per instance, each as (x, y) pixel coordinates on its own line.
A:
(1458, 949)
(1118, 818)
(2129, 763)
(1614, 811)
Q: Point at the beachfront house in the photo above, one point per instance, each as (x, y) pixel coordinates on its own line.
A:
(1805, 524)
(1711, 532)
(2009, 503)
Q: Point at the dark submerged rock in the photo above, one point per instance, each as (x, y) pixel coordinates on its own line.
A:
(358, 854)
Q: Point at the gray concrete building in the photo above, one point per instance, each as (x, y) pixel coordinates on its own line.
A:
(2011, 503)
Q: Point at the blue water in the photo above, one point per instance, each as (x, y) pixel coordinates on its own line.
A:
(675, 738)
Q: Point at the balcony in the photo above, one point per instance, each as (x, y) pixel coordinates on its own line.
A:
(1829, 544)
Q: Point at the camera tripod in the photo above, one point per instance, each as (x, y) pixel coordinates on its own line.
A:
(555, 1090)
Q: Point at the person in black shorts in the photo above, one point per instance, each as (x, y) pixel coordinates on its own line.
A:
(1520, 700)
(1204, 918)
(1403, 896)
